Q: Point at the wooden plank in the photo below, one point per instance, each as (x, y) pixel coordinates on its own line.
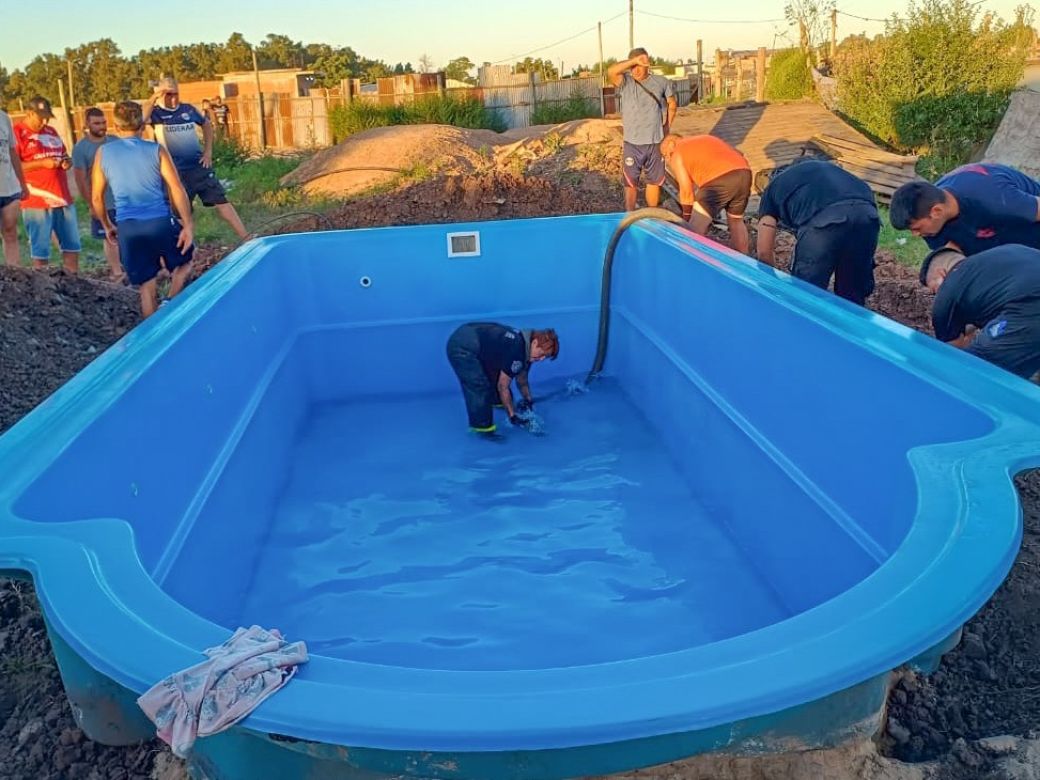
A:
(907, 165)
(868, 149)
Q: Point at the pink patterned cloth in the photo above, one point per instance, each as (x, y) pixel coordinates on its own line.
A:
(215, 694)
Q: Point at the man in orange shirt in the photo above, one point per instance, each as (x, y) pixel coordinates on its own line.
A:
(712, 176)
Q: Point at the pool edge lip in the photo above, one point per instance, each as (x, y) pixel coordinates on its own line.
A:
(479, 719)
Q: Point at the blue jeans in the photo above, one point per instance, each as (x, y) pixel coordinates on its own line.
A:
(39, 223)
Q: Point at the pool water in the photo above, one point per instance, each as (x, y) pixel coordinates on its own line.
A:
(580, 546)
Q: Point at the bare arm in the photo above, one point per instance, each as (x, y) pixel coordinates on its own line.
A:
(767, 240)
(616, 72)
(504, 393)
(525, 388)
(98, 182)
(16, 163)
(207, 144)
(964, 340)
(682, 178)
(46, 162)
(179, 199)
(83, 184)
(672, 107)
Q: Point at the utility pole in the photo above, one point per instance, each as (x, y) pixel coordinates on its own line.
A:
(631, 25)
(261, 132)
(700, 71)
(834, 32)
(602, 99)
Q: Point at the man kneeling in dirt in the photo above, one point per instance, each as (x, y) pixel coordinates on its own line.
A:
(988, 304)
(835, 219)
(712, 176)
(139, 173)
(486, 357)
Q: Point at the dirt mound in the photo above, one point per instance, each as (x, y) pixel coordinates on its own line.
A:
(51, 325)
(379, 155)
(473, 198)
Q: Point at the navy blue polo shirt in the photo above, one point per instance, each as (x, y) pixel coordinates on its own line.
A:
(502, 349)
(997, 206)
(805, 189)
(982, 287)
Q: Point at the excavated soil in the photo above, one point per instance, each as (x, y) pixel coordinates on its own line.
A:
(949, 724)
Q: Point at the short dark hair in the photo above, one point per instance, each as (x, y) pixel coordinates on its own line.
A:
(636, 52)
(129, 115)
(913, 201)
(943, 257)
(92, 112)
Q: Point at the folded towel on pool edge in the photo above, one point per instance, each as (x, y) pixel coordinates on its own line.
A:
(217, 693)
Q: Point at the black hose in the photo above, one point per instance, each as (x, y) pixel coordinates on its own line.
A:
(608, 264)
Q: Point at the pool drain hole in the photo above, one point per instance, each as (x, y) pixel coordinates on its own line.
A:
(366, 281)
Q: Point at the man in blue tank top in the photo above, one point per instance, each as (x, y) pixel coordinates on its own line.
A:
(138, 173)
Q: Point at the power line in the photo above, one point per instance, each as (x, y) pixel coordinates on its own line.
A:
(709, 21)
(556, 43)
(890, 18)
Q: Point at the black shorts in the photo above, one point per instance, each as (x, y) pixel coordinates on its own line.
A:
(145, 243)
(645, 158)
(7, 200)
(204, 183)
(97, 230)
(730, 191)
(839, 241)
(1011, 340)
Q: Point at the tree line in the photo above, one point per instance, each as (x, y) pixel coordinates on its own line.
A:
(101, 72)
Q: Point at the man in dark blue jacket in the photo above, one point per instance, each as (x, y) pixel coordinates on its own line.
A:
(972, 208)
(487, 357)
(988, 304)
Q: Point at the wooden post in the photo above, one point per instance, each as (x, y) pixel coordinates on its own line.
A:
(261, 130)
(760, 75)
(834, 32)
(346, 88)
(631, 26)
(740, 79)
(441, 83)
(65, 117)
(534, 91)
(700, 70)
(72, 92)
(602, 99)
(717, 88)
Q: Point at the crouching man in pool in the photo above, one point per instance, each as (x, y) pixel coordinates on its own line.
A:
(988, 304)
(486, 357)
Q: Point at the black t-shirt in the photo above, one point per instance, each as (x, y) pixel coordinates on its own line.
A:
(804, 190)
(981, 287)
(997, 206)
(501, 349)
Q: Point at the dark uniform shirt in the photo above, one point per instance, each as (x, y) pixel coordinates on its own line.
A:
(803, 191)
(502, 349)
(997, 206)
(981, 288)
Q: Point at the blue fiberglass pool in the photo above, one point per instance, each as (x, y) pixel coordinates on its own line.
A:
(768, 501)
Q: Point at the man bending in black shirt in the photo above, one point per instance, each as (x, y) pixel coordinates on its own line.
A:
(988, 304)
(486, 357)
(835, 219)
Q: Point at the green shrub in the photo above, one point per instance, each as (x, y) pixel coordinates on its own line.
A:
(577, 106)
(936, 83)
(788, 77)
(228, 153)
(363, 114)
(256, 179)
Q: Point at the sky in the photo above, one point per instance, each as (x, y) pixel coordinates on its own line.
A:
(403, 30)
